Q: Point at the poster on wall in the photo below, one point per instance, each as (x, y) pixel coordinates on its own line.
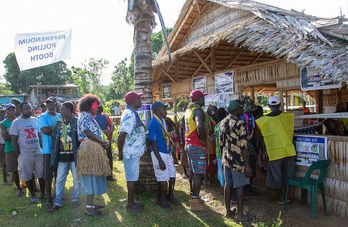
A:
(167, 91)
(313, 81)
(218, 100)
(200, 83)
(310, 149)
(224, 83)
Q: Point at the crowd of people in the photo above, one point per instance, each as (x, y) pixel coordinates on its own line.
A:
(221, 145)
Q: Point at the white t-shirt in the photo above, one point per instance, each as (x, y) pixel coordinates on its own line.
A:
(116, 110)
(27, 131)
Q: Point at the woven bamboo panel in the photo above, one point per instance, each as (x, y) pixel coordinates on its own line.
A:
(267, 73)
(289, 84)
(336, 182)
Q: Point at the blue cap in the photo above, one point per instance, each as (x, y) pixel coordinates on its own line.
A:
(9, 106)
(155, 105)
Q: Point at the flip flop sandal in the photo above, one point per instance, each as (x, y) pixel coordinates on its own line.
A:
(246, 217)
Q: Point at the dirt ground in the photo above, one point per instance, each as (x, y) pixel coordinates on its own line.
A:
(266, 212)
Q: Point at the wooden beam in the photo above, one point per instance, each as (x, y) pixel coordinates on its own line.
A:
(200, 66)
(167, 74)
(213, 58)
(234, 58)
(256, 58)
(181, 24)
(203, 62)
(167, 70)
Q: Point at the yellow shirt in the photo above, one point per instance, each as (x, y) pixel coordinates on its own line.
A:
(278, 132)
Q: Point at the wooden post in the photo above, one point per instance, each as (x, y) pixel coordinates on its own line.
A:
(286, 101)
(175, 112)
(280, 96)
(252, 93)
(203, 62)
(213, 59)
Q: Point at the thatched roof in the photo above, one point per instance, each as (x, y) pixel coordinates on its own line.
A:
(307, 41)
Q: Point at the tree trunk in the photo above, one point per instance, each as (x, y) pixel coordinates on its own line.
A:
(143, 21)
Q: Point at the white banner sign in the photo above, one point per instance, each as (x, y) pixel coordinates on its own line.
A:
(40, 49)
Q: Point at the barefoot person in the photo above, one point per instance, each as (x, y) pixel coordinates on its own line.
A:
(26, 138)
(196, 122)
(131, 144)
(162, 159)
(10, 156)
(64, 154)
(235, 157)
(92, 163)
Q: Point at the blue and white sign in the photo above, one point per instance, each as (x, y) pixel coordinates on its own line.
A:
(39, 49)
(311, 81)
(310, 149)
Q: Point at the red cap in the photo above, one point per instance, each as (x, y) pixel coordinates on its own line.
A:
(196, 94)
(130, 96)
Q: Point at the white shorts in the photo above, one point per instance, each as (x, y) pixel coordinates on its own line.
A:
(169, 172)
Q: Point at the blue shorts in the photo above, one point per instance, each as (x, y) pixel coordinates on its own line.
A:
(197, 159)
(235, 178)
(131, 168)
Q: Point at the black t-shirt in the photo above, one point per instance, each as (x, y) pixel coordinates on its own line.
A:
(66, 153)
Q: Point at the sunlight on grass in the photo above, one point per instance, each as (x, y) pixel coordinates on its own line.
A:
(118, 216)
(106, 198)
(194, 215)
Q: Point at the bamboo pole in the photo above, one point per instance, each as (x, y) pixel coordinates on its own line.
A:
(280, 96)
(167, 74)
(286, 101)
(197, 70)
(213, 59)
(252, 94)
(203, 62)
(234, 58)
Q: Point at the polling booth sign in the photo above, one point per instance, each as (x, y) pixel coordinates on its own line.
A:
(310, 149)
(38, 49)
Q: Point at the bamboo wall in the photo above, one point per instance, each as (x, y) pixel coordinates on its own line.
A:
(283, 74)
(336, 181)
(182, 88)
(334, 96)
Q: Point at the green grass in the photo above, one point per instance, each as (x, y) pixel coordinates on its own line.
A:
(114, 213)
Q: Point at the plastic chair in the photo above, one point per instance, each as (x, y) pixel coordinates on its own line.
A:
(310, 184)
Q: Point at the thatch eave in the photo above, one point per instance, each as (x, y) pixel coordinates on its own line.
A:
(288, 35)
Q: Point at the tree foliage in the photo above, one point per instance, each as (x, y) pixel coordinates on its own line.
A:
(56, 73)
(122, 79)
(88, 77)
(158, 41)
(123, 74)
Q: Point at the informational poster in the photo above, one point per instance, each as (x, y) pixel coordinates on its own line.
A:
(310, 149)
(200, 83)
(167, 91)
(34, 50)
(313, 81)
(218, 100)
(224, 83)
